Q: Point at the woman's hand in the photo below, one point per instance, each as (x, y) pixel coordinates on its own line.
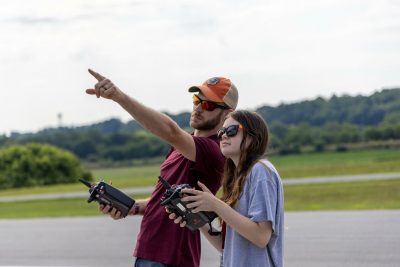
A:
(199, 200)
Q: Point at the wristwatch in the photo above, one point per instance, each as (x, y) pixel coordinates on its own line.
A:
(135, 209)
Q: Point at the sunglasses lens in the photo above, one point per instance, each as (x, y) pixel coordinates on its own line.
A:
(206, 105)
(230, 131)
(195, 100)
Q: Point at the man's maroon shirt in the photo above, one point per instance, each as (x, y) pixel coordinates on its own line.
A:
(160, 239)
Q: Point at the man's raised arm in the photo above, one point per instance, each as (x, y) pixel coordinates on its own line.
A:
(154, 121)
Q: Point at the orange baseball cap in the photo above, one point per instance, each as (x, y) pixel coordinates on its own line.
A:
(219, 89)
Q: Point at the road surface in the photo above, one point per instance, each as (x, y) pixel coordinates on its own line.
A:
(340, 238)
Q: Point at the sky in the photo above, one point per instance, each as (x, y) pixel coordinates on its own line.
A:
(278, 51)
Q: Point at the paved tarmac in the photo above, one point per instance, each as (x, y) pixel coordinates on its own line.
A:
(339, 238)
(346, 238)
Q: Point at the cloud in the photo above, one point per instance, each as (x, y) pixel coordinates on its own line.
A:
(274, 50)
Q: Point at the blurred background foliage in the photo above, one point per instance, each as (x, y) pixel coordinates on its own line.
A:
(321, 124)
(38, 164)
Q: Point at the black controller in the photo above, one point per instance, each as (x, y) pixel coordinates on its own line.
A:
(172, 200)
(105, 194)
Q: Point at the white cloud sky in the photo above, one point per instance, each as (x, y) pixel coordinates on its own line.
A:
(274, 51)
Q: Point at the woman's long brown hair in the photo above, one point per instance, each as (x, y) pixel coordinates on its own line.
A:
(256, 131)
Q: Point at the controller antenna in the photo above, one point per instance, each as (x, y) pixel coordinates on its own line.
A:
(86, 183)
(164, 182)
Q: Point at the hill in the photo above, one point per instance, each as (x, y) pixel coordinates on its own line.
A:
(383, 106)
(318, 123)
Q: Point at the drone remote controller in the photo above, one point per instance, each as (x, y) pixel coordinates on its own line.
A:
(172, 200)
(106, 194)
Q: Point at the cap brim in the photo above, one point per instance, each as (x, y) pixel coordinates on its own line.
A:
(194, 89)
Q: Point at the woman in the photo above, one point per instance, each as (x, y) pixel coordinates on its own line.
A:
(251, 206)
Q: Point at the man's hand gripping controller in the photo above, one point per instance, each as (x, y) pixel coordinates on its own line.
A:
(105, 194)
(172, 200)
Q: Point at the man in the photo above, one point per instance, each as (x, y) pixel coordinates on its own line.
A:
(192, 157)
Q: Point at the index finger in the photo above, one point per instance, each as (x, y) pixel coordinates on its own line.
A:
(98, 76)
(189, 191)
(203, 187)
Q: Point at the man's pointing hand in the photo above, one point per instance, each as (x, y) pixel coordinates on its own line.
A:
(103, 88)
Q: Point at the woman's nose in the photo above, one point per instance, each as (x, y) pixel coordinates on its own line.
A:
(224, 136)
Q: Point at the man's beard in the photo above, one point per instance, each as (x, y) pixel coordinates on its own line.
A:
(208, 125)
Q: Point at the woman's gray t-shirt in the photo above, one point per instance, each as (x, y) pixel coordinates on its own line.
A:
(260, 201)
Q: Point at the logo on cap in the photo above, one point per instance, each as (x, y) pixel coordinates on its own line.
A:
(213, 81)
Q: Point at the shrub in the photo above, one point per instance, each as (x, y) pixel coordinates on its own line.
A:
(38, 164)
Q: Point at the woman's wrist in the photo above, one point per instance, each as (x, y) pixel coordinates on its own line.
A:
(218, 205)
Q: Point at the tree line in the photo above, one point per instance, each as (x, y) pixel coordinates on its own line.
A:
(317, 123)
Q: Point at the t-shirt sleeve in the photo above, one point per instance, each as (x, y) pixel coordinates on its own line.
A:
(209, 162)
(264, 196)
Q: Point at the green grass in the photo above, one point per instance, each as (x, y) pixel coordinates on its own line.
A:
(336, 196)
(51, 208)
(292, 166)
(47, 208)
(130, 176)
(120, 177)
(337, 163)
(366, 195)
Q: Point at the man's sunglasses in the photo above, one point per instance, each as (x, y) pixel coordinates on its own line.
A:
(230, 131)
(207, 105)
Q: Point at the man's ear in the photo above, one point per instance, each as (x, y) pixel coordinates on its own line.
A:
(227, 111)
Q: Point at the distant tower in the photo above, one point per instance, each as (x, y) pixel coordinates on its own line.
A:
(59, 116)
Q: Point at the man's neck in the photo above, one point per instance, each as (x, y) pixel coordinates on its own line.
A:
(205, 133)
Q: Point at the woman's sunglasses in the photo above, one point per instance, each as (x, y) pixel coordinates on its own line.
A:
(207, 105)
(230, 131)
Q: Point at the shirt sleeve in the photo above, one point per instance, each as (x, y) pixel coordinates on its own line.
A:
(263, 196)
